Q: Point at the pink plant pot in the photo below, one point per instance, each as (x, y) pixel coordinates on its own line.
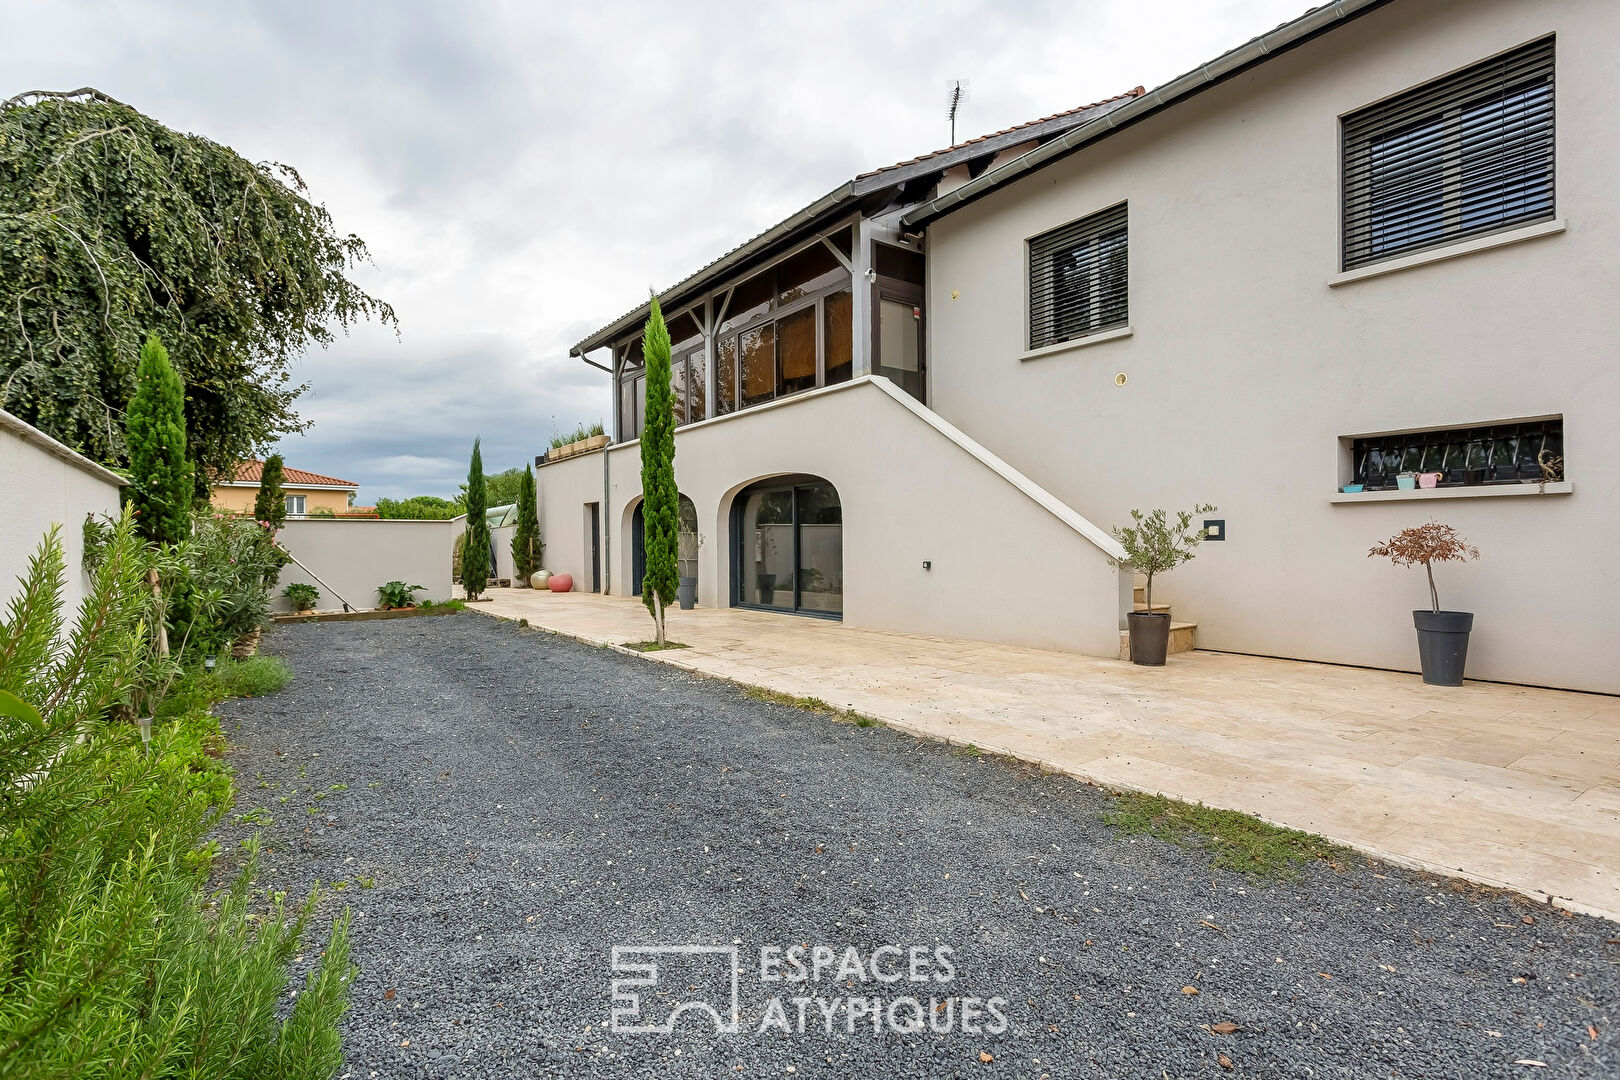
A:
(1428, 479)
(561, 582)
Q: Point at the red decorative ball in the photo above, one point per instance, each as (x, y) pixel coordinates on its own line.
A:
(561, 582)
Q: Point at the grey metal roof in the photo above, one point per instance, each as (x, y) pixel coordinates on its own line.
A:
(842, 197)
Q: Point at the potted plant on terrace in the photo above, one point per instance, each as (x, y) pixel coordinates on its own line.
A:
(302, 595)
(1153, 545)
(1442, 635)
(396, 595)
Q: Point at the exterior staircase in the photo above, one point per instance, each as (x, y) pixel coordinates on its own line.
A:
(1182, 634)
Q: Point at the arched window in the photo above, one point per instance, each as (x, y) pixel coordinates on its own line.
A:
(788, 544)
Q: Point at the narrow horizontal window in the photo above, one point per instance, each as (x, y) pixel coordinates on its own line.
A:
(1462, 156)
(1078, 279)
(1517, 453)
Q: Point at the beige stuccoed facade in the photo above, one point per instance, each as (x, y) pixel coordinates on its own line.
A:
(238, 498)
(910, 492)
(1246, 365)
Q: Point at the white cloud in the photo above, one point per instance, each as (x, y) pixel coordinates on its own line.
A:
(524, 173)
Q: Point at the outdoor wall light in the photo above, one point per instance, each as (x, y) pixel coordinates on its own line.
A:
(1214, 529)
(928, 564)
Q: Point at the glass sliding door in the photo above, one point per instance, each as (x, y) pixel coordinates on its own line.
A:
(789, 547)
(766, 552)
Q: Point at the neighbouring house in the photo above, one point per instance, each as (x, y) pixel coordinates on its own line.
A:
(1339, 252)
(47, 485)
(308, 494)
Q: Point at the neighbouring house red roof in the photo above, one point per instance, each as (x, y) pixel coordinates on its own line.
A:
(1139, 91)
(249, 472)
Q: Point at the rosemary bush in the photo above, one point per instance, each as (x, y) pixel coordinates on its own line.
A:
(115, 959)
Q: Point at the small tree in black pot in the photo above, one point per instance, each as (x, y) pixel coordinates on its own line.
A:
(1442, 635)
(1153, 545)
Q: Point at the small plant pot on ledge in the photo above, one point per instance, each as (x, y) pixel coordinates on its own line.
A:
(1442, 645)
(1150, 637)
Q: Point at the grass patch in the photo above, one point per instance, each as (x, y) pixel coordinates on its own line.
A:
(1239, 842)
(253, 677)
(452, 604)
(653, 646)
(809, 704)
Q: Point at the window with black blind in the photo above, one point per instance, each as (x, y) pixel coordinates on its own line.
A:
(1078, 280)
(1462, 156)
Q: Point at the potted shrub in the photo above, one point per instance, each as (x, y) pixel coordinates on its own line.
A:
(302, 595)
(1153, 546)
(688, 541)
(396, 595)
(1442, 635)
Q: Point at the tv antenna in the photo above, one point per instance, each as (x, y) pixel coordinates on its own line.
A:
(956, 96)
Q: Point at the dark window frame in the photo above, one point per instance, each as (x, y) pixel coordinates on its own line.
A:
(1465, 155)
(1480, 455)
(1078, 278)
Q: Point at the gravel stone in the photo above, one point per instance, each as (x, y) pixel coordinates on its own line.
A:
(505, 806)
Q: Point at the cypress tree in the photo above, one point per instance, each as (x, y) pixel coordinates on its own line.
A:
(475, 541)
(526, 545)
(155, 431)
(660, 499)
(270, 504)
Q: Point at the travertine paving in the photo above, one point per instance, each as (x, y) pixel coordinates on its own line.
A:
(1506, 785)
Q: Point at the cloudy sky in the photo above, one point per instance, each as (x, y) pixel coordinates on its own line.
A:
(523, 172)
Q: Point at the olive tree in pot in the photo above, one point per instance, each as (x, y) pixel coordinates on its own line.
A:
(1442, 635)
(1153, 545)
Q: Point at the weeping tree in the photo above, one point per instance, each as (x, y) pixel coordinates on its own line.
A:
(155, 432)
(475, 541)
(112, 226)
(660, 499)
(526, 545)
(270, 504)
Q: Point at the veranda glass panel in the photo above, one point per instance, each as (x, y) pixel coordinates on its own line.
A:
(725, 373)
(796, 352)
(839, 335)
(758, 365)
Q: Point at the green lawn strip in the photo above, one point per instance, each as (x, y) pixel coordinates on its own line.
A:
(809, 704)
(1238, 841)
(653, 646)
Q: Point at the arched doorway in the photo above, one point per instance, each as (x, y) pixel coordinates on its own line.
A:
(687, 561)
(788, 547)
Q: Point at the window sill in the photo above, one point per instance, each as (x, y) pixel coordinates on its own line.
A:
(1441, 254)
(1078, 343)
(1486, 491)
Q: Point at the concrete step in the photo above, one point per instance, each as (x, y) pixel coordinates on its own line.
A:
(1182, 639)
(1141, 605)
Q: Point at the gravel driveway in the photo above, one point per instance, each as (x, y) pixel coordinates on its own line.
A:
(507, 806)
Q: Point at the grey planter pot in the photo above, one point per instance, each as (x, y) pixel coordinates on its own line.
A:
(686, 593)
(1150, 637)
(1443, 645)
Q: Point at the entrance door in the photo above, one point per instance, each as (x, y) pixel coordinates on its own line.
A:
(899, 355)
(594, 536)
(788, 547)
(638, 550)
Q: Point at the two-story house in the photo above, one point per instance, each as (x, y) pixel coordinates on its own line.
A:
(1379, 239)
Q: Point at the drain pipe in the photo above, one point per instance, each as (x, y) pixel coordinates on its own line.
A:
(314, 575)
(607, 529)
